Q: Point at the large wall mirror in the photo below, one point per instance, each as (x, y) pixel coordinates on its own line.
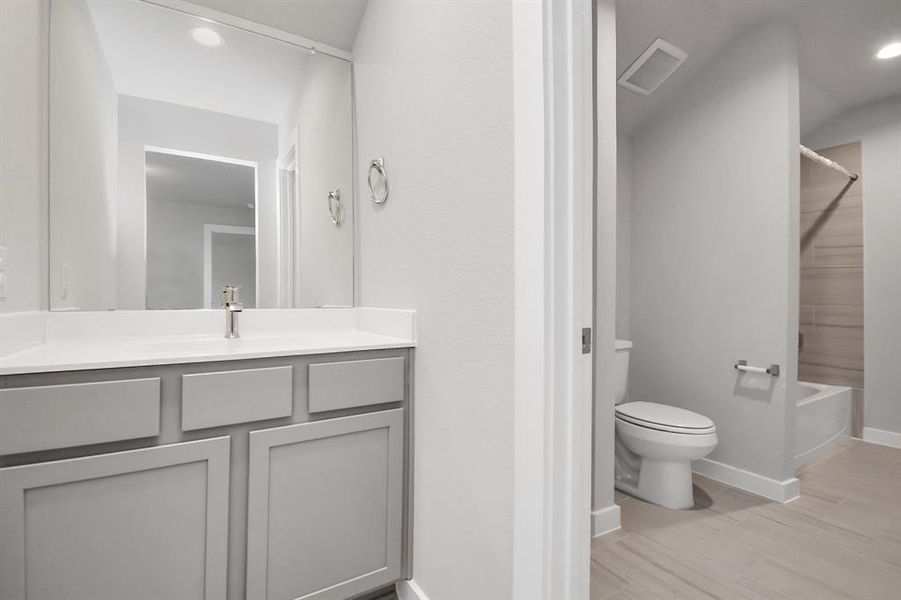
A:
(187, 154)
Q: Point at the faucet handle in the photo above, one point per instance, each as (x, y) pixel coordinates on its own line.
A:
(230, 294)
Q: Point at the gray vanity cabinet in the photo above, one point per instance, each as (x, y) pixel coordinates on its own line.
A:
(142, 524)
(325, 507)
(263, 479)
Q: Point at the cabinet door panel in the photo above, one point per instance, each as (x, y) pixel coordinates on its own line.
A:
(325, 507)
(143, 524)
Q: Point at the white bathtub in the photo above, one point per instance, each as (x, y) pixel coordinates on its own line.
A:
(823, 419)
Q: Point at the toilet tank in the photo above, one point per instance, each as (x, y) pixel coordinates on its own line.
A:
(621, 369)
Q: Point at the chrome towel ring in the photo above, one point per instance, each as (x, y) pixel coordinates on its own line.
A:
(334, 206)
(377, 166)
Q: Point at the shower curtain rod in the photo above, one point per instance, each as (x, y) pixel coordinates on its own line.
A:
(829, 163)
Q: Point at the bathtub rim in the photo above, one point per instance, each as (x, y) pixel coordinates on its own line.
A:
(824, 392)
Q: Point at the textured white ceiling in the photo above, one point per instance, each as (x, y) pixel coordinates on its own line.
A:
(836, 42)
(332, 22)
(172, 178)
(151, 55)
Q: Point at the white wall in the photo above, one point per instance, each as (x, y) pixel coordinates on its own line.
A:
(145, 122)
(623, 238)
(434, 96)
(715, 197)
(878, 128)
(324, 163)
(23, 154)
(83, 159)
(605, 256)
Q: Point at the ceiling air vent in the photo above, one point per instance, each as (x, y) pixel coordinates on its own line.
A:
(652, 68)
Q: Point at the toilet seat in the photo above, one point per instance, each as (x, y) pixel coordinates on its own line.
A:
(662, 417)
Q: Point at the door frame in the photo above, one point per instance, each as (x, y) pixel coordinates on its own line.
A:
(208, 230)
(553, 291)
(288, 226)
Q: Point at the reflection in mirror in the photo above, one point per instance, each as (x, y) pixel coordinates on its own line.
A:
(186, 154)
(200, 229)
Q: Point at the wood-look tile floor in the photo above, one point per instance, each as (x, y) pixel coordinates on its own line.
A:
(840, 539)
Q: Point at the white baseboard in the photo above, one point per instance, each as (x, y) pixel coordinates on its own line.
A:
(605, 520)
(409, 590)
(780, 491)
(882, 437)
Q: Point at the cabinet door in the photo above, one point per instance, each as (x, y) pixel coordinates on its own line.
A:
(325, 508)
(144, 524)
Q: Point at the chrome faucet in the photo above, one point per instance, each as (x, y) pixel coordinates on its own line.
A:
(231, 302)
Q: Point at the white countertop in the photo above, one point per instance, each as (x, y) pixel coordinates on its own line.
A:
(67, 347)
(80, 355)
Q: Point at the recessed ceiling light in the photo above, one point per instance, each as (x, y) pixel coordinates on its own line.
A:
(207, 37)
(890, 51)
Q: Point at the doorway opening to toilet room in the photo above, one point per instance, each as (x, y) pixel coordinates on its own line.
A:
(743, 204)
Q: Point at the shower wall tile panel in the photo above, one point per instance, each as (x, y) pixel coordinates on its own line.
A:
(831, 317)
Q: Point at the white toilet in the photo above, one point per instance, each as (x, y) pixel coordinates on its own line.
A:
(656, 443)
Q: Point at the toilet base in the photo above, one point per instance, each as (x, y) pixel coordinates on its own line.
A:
(656, 465)
(664, 482)
(667, 483)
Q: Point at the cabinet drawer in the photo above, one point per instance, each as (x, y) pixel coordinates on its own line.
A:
(352, 383)
(62, 416)
(228, 397)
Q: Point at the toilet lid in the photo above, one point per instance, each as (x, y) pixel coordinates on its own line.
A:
(664, 417)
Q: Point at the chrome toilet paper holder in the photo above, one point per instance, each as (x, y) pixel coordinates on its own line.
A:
(743, 365)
